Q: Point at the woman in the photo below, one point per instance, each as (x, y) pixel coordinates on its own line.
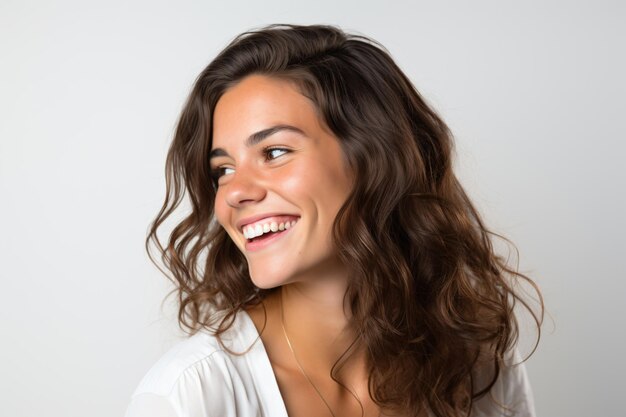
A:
(331, 263)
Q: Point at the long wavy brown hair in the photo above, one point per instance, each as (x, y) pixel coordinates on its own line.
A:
(431, 299)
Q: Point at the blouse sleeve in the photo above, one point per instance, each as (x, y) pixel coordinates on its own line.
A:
(204, 389)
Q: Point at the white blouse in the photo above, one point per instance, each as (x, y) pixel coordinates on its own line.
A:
(199, 378)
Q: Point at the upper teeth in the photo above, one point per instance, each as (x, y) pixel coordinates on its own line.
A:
(255, 230)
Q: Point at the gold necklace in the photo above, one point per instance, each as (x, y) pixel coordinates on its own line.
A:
(306, 376)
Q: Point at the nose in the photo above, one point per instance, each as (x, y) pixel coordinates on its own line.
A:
(244, 188)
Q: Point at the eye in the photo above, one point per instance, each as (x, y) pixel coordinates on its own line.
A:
(273, 153)
(219, 172)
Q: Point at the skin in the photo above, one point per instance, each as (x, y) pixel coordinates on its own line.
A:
(300, 171)
(306, 176)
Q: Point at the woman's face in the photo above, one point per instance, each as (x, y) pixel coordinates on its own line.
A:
(282, 180)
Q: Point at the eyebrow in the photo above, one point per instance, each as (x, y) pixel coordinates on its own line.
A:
(257, 137)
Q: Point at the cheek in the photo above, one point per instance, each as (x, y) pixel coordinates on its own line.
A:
(334, 184)
(223, 212)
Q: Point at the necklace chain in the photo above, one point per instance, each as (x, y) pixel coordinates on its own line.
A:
(282, 323)
(306, 376)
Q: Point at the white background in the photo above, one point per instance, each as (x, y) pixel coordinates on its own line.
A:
(89, 96)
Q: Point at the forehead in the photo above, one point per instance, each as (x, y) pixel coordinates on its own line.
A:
(258, 102)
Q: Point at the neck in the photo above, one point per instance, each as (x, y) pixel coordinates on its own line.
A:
(317, 320)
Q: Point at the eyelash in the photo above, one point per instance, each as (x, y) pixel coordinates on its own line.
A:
(270, 149)
(217, 172)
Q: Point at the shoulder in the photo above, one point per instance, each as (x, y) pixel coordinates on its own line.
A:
(199, 376)
(198, 353)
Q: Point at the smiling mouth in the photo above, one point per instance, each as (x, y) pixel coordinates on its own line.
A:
(261, 235)
(260, 230)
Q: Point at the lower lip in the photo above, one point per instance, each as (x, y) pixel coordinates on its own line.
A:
(260, 244)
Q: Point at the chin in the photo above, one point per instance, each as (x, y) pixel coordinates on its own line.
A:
(266, 280)
(270, 273)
